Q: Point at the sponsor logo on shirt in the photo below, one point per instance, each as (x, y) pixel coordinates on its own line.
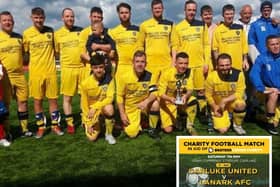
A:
(49, 36)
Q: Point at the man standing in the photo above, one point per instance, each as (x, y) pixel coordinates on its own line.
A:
(155, 40)
(125, 36)
(177, 81)
(206, 13)
(39, 46)
(260, 29)
(245, 20)
(225, 91)
(136, 98)
(265, 75)
(191, 36)
(96, 15)
(230, 38)
(72, 69)
(11, 57)
(97, 93)
(245, 13)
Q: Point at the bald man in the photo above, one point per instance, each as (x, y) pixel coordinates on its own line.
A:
(245, 20)
(245, 13)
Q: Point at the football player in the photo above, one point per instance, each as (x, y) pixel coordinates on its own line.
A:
(97, 93)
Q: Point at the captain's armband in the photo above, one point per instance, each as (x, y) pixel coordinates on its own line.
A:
(153, 88)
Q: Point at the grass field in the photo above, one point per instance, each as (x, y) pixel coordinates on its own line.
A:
(73, 160)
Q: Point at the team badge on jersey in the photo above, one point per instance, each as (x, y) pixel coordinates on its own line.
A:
(233, 86)
(78, 33)
(134, 33)
(197, 29)
(184, 82)
(49, 36)
(238, 32)
(165, 28)
(104, 88)
(263, 28)
(144, 85)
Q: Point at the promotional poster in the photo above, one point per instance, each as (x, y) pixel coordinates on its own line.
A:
(223, 161)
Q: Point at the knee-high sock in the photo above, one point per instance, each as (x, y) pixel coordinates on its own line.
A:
(238, 117)
(153, 119)
(23, 120)
(69, 119)
(55, 115)
(191, 112)
(277, 115)
(40, 119)
(109, 125)
(201, 102)
(270, 117)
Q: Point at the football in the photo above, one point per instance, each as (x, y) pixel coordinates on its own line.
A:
(194, 177)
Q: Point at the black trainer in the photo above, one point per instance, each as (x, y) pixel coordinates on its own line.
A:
(271, 129)
(153, 133)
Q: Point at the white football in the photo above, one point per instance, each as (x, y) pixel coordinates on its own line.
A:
(195, 176)
(192, 179)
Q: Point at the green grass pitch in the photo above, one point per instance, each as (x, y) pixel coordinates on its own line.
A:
(73, 160)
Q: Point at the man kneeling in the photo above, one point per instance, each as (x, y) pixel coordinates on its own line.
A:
(176, 100)
(225, 90)
(137, 96)
(97, 93)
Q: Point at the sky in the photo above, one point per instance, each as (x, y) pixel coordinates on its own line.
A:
(173, 10)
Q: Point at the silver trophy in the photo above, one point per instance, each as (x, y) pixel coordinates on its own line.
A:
(179, 100)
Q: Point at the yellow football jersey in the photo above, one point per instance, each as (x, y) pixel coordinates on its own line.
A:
(125, 39)
(168, 79)
(216, 88)
(11, 52)
(96, 94)
(192, 38)
(67, 45)
(40, 46)
(155, 39)
(131, 90)
(231, 40)
(85, 33)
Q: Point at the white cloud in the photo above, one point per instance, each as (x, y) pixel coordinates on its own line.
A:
(174, 10)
